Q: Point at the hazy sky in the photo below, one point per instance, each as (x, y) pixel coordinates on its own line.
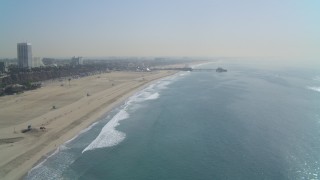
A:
(61, 28)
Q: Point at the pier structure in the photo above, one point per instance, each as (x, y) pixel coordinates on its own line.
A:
(193, 70)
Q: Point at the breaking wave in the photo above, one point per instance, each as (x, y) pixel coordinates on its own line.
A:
(314, 88)
(109, 135)
(317, 78)
(62, 159)
(153, 96)
(81, 132)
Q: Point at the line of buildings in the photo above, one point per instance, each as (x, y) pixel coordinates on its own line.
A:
(24, 55)
(25, 60)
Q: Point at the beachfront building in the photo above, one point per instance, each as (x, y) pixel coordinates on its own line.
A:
(24, 55)
(3, 67)
(76, 60)
(37, 62)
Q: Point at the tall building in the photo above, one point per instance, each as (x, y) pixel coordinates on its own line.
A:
(24, 55)
(3, 67)
(76, 60)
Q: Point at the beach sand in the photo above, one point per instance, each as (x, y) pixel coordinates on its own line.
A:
(64, 110)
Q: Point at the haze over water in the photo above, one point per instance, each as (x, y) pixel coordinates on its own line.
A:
(260, 120)
(252, 122)
(210, 28)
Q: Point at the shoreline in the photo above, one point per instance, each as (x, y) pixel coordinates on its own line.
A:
(47, 143)
(112, 107)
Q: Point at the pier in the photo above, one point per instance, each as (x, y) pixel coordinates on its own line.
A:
(193, 70)
(200, 70)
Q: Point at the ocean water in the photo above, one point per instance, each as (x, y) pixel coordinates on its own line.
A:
(253, 122)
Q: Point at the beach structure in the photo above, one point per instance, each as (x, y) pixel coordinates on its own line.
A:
(24, 53)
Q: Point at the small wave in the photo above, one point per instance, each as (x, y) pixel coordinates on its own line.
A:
(152, 91)
(38, 171)
(314, 88)
(41, 163)
(153, 96)
(42, 171)
(81, 132)
(184, 73)
(142, 96)
(164, 84)
(109, 136)
(317, 78)
(54, 169)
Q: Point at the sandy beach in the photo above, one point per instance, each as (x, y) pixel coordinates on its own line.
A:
(63, 109)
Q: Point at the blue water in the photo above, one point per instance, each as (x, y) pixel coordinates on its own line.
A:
(253, 122)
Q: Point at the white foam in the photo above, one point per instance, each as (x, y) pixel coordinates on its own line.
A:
(48, 172)
(37, 171)
(153, 96)
(151, 92)
(41, 163)
(40, 171)
(142, 96)
(314, 88)
(163, 84)
(81, 132)
(109, 136)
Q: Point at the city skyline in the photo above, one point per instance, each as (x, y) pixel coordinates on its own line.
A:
(287, 29)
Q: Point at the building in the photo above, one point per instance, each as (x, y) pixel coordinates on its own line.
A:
(24, 52)
(37, 62)
(76, 60)
(3, 67)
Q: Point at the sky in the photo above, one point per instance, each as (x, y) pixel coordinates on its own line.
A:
(210, 28)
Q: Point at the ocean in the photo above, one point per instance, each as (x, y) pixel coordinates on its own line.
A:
(256, 121)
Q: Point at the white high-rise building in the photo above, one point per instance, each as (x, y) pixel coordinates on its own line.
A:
(37, 62)
(76, 60)
(24, 55)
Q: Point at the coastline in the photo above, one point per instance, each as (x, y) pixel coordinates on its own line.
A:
(65, 123)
